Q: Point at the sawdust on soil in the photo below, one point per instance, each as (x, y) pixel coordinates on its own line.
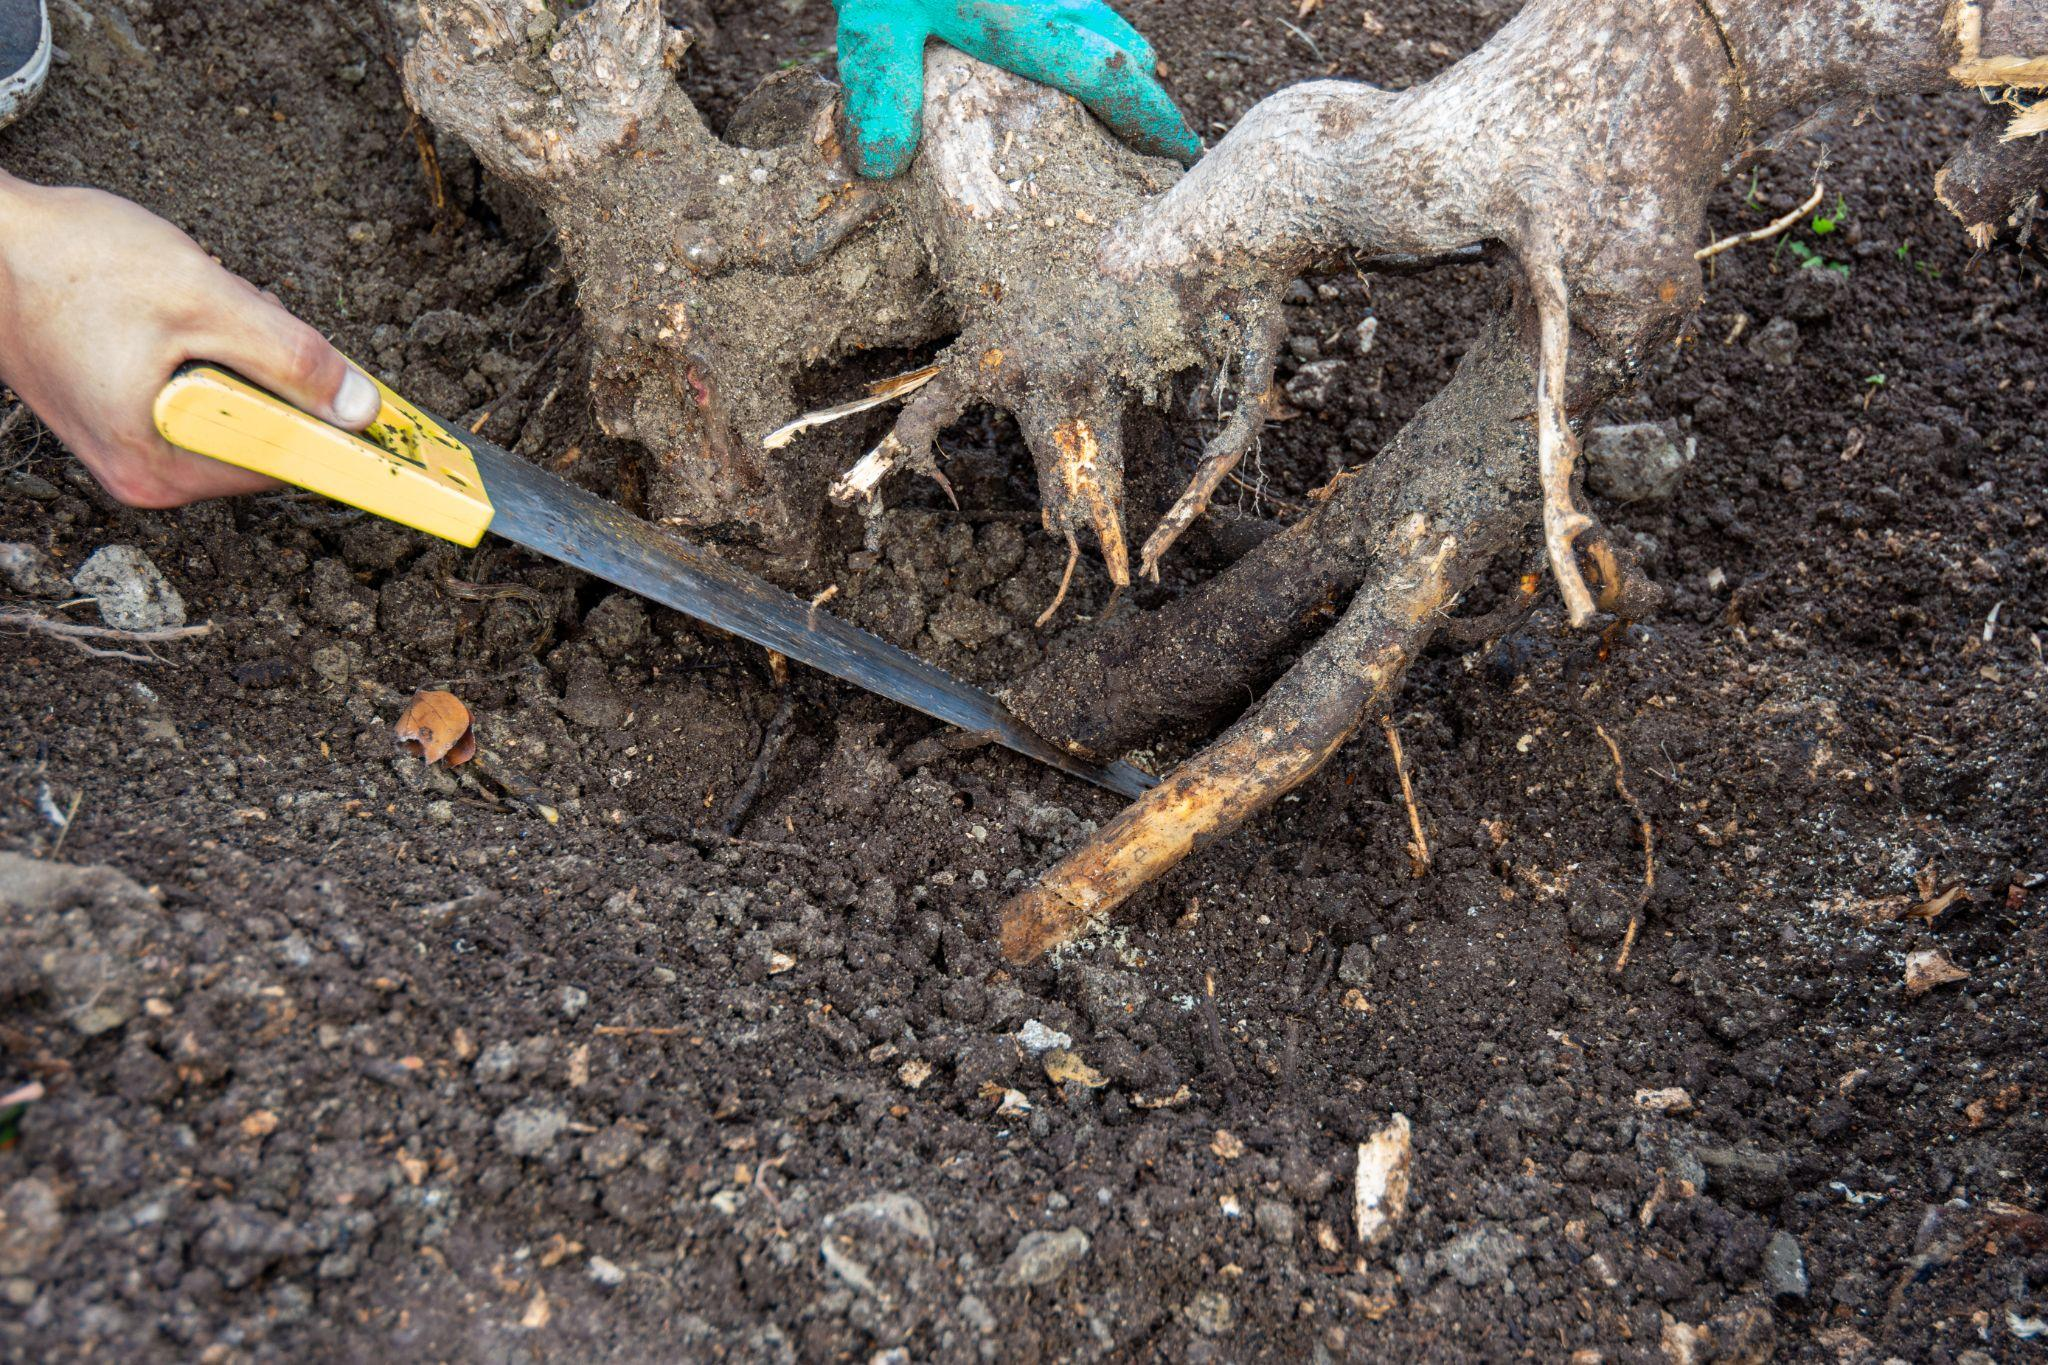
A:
(350, 1056)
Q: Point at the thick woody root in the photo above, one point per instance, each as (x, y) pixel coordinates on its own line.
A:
(1467, 459)
(1995, 186)
(1604, 227)
(1351, 671)
(713, 273)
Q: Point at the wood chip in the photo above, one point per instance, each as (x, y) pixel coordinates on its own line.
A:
(1173, 1101)
(1227, 1145)
(914, 1072)
(1929, 968)
(261, 1123)
(1064, 1066)
(1380, 1194)
(1670, 1100)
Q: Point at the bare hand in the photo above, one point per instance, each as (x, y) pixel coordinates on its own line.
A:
(100, 301)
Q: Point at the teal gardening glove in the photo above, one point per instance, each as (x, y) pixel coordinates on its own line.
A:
(1080, 46)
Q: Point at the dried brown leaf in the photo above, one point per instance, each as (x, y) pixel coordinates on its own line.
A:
(1933, 907)
(434, 726)
(1062, 1065)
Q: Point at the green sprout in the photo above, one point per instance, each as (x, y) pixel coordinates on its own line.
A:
(1824, 223)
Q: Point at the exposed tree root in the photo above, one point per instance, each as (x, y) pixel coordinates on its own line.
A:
(1353, 669)
(1635, 918)
(79, 636)
(1072, 282)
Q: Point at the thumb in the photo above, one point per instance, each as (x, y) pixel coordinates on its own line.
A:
(256, 337)
(881, 62)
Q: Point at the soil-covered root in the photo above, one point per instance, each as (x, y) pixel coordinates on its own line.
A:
(1605, 126)
(1353, 669)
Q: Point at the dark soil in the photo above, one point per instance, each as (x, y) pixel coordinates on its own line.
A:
(349, 1058)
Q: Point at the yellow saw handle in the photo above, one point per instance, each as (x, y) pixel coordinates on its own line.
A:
(404, 467)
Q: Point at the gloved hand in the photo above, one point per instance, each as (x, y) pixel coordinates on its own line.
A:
(1080, 46)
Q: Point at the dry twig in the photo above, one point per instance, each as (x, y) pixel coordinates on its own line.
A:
(1635, 919)
(1418, 847)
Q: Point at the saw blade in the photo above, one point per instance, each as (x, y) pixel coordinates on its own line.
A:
(551, 516)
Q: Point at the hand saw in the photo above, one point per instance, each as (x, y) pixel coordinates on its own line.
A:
(409, 468)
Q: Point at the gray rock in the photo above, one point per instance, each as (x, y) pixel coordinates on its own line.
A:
(1481, 1256)
(86, 942)
(132, 593)
(967, 622)
(1777, 343)
(1107, 996)
(1210, 1313)
(894, 1212)
(1355, 968)
(572, 1001)
(27, 570)
(1042, 1257)
(881, 1248)
(611, 1149)
(604, 1274)
(1312, 384)
(1638, 461)
(1785, 1267)
(243, 1241)
(1037, 1037)
(977, 1314)
(530, 1129)
(1813, 294)
(1746, 1173)
(497, 1063)
(31, 1222)
(1277, 1221)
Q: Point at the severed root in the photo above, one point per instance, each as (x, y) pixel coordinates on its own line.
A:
(909, 442)
(1418, 844)
(1635, 919)
(1995, 185)
(1066, 581)
(1223, 453)
(78, 636)
(882, 391)
(1352, 670)
(1768, 230)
